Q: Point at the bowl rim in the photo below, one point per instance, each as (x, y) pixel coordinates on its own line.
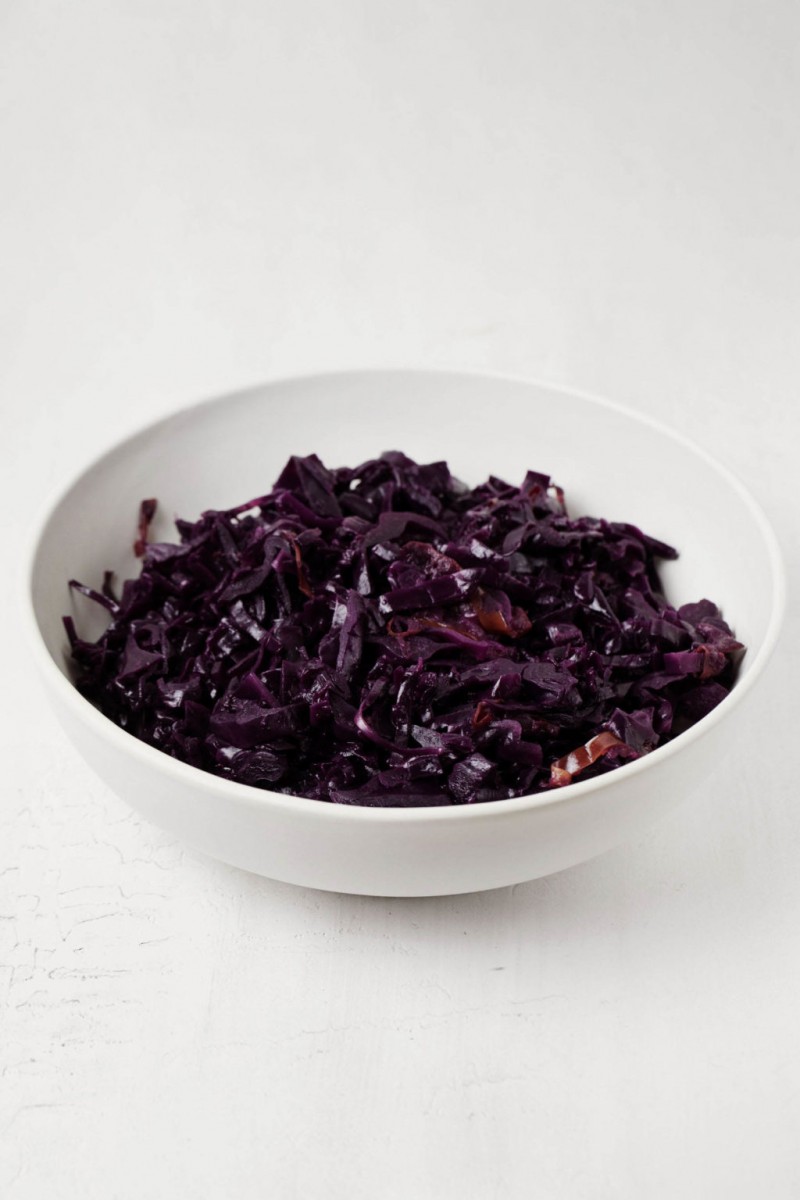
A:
(308, 807)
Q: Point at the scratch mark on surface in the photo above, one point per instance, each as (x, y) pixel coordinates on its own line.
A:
(100, 917)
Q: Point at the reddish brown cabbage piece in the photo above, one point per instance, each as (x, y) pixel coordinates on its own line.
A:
(383, 635)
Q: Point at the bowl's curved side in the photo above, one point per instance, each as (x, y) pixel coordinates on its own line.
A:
(401, 852)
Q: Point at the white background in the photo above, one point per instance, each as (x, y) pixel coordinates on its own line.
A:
(199, 196)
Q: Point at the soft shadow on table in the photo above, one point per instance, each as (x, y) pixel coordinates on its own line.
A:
(642, 883)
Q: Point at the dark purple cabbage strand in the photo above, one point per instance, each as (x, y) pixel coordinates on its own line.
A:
(386, 636)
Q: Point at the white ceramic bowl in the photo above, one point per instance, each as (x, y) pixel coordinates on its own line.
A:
(611, 463)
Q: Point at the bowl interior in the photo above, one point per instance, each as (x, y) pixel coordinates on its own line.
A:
(218, 454)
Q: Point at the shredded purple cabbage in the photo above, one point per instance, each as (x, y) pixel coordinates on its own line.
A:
(386, 636)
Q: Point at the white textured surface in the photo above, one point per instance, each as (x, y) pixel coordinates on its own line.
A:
(196, 197)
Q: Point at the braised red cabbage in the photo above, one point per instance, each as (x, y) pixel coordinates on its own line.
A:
(383, 635)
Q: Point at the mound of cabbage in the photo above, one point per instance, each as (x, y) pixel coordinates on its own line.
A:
(384, 635)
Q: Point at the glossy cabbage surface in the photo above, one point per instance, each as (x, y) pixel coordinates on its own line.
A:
(383, 635)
